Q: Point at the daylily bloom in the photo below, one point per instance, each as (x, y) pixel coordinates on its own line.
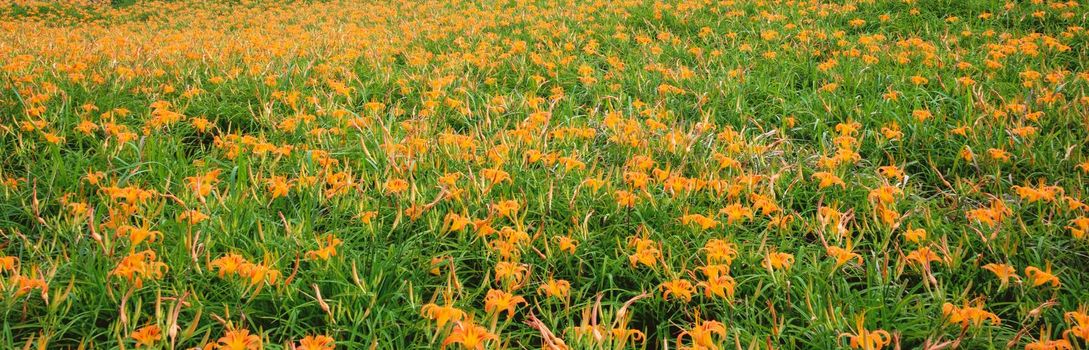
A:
(554, 288)
(778, 261)
(843, 255)
(507, 208)
(703, 221)
(891, 172)
(147, 336)
(497, 301)
(718, 283)
(566, 244)
(25, 284)
(1046, 343)
(202, 185)
(136, 235)
(227, 264)
(442, 314)
(1041, 277)
(625, 199)
(1079, 322)
(828, 179)
(320, 342)
(278, 186)
(1003, 271)
(646, 252)
(968, 315)
(704, 334)
(8, 263)
(456, 222)
(916, 235)
(865, 339)
(327, 248)
(511, 273)
(720, 251)
(678, 289)
(736, 213)
(192, 217)
(239, 339)
(1079, 227)
(395, 186)
(923, 257)
(469, 335)
(140, 266)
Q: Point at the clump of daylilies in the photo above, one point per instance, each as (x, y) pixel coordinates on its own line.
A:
(588, 174)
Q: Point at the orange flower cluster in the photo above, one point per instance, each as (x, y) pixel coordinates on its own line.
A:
(694, 174)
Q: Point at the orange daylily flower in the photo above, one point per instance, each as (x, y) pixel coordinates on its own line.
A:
(470, 336)
(678, 289)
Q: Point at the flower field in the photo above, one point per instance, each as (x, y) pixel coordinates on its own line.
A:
(513, 174)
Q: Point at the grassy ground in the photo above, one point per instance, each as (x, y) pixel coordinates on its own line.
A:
(742, 174)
